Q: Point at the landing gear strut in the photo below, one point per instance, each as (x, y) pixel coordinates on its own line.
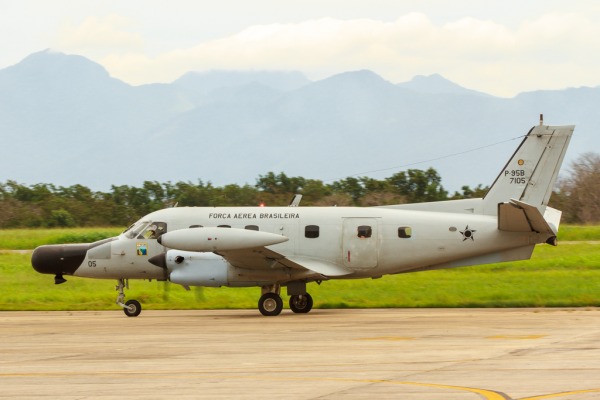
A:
(132, 308)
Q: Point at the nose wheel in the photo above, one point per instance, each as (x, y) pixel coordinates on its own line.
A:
(131, 308)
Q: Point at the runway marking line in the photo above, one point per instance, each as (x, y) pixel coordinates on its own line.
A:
(555, 395)
(485, 393)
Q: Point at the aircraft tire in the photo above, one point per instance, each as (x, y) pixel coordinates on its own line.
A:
(301, 305)
(270, 304)
(133, 309)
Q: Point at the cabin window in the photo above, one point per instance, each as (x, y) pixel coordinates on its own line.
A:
(311, 231)
(404, 232)
(196, 226)
(251, 227)
(364, 231)
(223, 226)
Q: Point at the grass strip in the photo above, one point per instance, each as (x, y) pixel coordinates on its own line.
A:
(27, 239)
(563, 276)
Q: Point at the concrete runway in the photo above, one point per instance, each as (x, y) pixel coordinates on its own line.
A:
(441, 354)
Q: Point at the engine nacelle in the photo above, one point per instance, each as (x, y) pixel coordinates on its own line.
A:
(197, 269)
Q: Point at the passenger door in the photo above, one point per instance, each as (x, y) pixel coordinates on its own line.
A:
(360, 242)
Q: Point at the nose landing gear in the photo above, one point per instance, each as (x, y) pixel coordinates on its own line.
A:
(131, 308)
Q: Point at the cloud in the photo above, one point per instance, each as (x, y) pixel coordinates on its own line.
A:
(552, 51)
(99, 36)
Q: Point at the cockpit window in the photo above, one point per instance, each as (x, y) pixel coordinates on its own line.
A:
(146, 230)
(153, 230)
(134, 230)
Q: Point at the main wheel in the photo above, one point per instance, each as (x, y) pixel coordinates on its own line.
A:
(133, 309)
(301, 303)
(270, 304)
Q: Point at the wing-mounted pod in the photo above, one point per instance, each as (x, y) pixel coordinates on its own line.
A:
(196, 269)
(191, 268)
(218, 239)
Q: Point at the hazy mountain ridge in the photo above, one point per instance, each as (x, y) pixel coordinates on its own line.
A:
(437, 84)
(64, 120)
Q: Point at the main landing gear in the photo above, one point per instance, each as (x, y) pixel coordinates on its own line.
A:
(270, 303)
(301, 303)
(131, 308)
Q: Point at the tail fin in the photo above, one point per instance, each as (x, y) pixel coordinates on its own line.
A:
(530, 175)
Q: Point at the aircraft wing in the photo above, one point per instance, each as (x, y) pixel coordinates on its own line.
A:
(256, 258)
(264, 258)
(245, 249)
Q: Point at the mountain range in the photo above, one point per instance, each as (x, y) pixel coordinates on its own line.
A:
(64, 120)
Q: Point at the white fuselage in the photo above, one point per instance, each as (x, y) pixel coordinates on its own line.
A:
(367, 242)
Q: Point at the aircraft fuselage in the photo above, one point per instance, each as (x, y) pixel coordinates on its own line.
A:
(366, 242)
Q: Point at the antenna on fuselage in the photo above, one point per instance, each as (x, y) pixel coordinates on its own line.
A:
(296, 200)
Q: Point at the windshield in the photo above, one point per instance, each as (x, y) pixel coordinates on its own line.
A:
(135, 229)
(154, 230)
(145, 230)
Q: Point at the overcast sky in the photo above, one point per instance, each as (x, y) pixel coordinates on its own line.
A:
(499, 47)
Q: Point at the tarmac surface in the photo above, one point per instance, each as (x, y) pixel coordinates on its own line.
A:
(441, 354)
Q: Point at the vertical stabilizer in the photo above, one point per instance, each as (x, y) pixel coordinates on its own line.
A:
(532, 171)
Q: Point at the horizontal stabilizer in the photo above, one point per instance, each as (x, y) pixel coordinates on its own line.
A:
(518, 216)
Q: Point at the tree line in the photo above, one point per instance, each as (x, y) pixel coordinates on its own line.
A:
(46, 205)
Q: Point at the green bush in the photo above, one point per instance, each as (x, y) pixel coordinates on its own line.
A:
(60, 218)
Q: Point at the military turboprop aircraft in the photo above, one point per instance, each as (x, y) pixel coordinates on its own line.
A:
(271, 247)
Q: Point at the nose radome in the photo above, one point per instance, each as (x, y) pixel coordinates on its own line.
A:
(58, 259)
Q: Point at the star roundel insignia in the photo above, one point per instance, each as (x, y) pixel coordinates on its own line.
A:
(468, 233)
